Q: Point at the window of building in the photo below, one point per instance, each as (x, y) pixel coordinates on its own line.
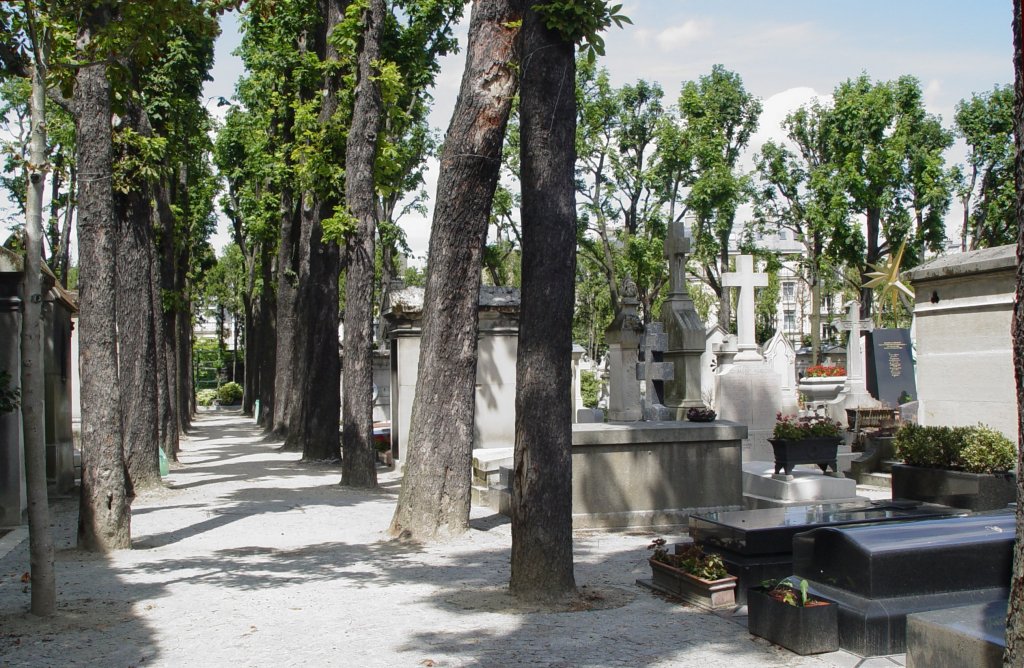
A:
(789, 320)
(788, 290)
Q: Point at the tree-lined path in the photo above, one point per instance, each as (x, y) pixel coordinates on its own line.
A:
(250, 558)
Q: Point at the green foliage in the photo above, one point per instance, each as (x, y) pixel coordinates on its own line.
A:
(691, 559)
(978, 449)
(985, 184)
(590, 388)
(809, 426)
(789, 592)
(229, 393)
(988, 451)
(10, 397)
(580, 21)
(206, 397)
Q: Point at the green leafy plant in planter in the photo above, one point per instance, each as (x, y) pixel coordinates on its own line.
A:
(978, 449)
(963, 467)
(824, 371)
(691, 559)
(798, 427)
(784, 612)
(692, 575)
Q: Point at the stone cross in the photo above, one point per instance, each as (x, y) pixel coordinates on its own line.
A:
(746, 280)
(654, 372)
(853, 324)
(677, 247)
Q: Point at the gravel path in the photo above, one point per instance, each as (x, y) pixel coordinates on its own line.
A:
(251, 558)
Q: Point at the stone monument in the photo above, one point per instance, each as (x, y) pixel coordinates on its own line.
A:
(686, 334)
(855, 393)
(749, 390)
(623, 338)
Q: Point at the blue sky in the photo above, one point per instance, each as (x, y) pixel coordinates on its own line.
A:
(786, 51)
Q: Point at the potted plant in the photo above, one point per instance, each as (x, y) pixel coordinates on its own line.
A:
(822, 382)
(786, 614)
(963, 467)
(692, 575)
(806, 439)
(700, 414)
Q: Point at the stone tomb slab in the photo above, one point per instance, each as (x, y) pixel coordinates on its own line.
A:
(880, 573)
(757, 545)
(763, 489)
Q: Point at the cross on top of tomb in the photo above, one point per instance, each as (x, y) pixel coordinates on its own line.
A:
(854, 325)
(677, 247)
(746, 279)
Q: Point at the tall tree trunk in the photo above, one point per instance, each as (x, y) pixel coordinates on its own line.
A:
(287, 288)
(542, 566)
(359, 466)
(170, 407)
(137, 354)
(104, 521)
(314, 428)
(44, 589)
(872, 256)
(1014, 655)
(435, 495)
(267, 338)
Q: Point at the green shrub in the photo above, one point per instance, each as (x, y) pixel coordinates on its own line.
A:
(229, 393)
(206, 397)
(977, 449)
(988, 451)
(590, 388)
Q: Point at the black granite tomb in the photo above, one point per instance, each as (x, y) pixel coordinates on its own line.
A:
(757, 545)
(879, 573)
(890, 367)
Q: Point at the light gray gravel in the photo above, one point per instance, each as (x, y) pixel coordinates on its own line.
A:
(250, 558)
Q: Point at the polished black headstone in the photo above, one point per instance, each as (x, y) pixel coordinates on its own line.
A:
(771, 530)
(890, 367)
(878, 574)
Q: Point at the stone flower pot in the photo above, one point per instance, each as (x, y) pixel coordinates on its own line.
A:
(821, 388)
(819, 450)
(811, 629)
(711, 594)
(959, 489)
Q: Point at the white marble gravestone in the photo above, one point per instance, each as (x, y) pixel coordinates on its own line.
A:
(749, 391)
(780, 355)
(855, 392)
(623, 337)
(709, 363)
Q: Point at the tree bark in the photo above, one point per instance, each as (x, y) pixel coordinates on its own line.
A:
(1014, 655)
(314, 429)
(267, 338)
(435, 496)
(170, 424)
(104, 521)
(137, 353)
(287, 289)
(542, 565)
(359, 466)
(44, 589)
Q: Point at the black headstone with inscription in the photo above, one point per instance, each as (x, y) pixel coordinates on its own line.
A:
(890, 367)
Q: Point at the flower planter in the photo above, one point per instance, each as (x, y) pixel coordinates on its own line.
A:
(959, 489)
(821, 388)
(821, 451)
(804, 630)
(712, 594)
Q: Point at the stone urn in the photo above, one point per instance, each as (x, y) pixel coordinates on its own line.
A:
(821, 388)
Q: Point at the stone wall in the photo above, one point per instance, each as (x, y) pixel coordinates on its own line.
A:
(962, 314)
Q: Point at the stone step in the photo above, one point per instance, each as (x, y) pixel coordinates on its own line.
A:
(875, 479)
(972, 635)
(487, 462)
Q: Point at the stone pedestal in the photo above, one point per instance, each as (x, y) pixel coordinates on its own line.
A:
(763, 489)
(686, 345)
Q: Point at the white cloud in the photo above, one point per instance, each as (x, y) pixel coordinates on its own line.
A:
(683, 35)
